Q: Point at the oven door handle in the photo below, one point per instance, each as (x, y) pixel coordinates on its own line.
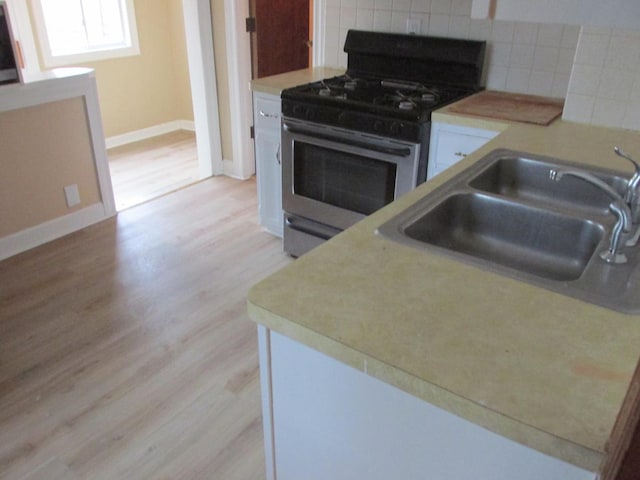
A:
(395, 151)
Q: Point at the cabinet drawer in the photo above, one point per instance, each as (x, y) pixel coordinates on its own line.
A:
(451, 143)
(267, 113)
(453, 147)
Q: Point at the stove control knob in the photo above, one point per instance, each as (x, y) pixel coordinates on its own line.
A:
(378, 126)
(297, 110)
(395, 127)
(310, 114)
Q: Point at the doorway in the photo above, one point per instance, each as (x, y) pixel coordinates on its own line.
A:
(201, 65)
(281, 36)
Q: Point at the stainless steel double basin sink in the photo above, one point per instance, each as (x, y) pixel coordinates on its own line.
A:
(506, 215)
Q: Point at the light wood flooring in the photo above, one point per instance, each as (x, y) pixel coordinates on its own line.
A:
(126, 351)
(150, 168)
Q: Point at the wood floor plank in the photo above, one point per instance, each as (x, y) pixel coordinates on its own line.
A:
(147, 169)
(126, 350)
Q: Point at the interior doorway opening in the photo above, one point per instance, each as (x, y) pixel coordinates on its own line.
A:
(196, 15)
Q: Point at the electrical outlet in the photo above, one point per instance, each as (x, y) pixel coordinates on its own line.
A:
(72, 195)
(413, 25)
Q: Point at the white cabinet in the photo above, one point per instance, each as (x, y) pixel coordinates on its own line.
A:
(326, 420)
(451, 143)
(266, 120)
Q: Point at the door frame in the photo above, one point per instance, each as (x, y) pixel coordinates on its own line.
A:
(239, 69)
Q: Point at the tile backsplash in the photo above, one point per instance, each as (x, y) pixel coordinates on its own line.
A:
(596, 69)
(604, 88)
(522, 57)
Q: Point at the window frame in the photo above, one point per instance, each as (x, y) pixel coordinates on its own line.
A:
(49, 60)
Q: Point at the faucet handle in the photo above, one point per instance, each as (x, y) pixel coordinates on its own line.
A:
(623, 154)
(631, 196)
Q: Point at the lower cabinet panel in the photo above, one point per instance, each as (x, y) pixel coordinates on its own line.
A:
(333, 422)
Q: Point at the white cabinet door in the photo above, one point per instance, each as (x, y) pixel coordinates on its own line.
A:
(451, 143)
(331, 421)
(266, 110)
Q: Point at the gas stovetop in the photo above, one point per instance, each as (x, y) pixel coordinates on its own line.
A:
(396, 97)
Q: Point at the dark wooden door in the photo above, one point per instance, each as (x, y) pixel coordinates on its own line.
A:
(282, 37)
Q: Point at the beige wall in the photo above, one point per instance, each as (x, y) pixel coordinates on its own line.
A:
(222, 76)
(34, 173)
(151, 88)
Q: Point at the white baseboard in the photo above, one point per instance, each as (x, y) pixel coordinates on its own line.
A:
(45, 232)
(229, 168)
(150, 132)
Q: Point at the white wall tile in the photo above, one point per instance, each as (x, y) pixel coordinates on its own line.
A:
(365, 4)
(421, 6)
(402, 5)
(497, 77)
(517, 80)
(592, 49)
(522, 55)
(525, 33)
(632, 117)
(608, 113)
(605, 78)
(549, 34)
(616, 84)
(441, 6)
(585, 80)
(623, 52)
(541, 83)
(565, 60)
(560, 85)
(383, 4)
(333, 17)
(570, 34)
(461, 7)
(424, 22)
(502, 31)
(347, 17)
(459, 26)
(578, 108)
(399, 21)
(364, 18)
(382, 20)
(499, 53)
(635, 91)
(439, 25)
(546, 58)
(480, 29)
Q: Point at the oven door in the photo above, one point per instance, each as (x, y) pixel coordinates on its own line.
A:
(337, 177)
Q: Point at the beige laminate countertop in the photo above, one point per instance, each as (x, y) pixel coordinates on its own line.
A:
(537, 367)
(275, 84)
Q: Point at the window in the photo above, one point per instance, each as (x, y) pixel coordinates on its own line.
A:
(74, 31)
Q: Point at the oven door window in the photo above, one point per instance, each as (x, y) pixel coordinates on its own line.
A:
(343, 179)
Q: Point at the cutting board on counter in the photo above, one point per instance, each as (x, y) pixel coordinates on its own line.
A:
(510, 106)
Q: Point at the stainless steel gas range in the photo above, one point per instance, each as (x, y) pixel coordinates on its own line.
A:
(354, 143)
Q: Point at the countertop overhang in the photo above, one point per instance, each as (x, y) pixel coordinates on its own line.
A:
(540, 368)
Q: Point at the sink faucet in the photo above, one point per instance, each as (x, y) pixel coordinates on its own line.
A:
(632, 195)
(618, 207)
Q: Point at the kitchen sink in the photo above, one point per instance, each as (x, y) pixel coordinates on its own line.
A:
(518, 236)
(505, 214)
(526, 178)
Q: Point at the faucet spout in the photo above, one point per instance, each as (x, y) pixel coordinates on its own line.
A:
(618, 206)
